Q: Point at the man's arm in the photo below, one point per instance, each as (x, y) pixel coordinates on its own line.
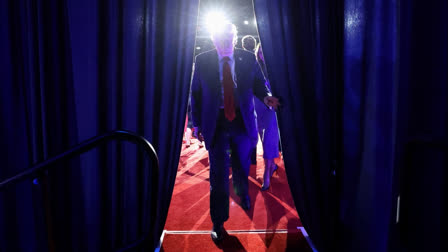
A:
(196, 99)
(261, 90)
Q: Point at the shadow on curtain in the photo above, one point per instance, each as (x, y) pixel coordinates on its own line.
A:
(71, 70)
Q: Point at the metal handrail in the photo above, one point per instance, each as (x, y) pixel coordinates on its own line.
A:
(87, 145)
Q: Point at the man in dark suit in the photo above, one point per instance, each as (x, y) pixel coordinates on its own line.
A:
(224, 83)
(249, 43)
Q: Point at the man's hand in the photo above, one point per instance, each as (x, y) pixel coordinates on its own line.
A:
(198, 134)
(272, 101)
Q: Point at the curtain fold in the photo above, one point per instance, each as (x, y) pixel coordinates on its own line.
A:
(359, 80)
(37, 118)
(371, 44)
(422, 113)
(72, 70)
(302, 43)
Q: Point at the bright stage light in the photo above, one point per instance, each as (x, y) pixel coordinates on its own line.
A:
(246, 22)
(215, 21)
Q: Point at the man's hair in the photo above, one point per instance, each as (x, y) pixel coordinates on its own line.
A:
(248, 42)
(235, 32)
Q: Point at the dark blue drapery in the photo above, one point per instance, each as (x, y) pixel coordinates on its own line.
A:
(302, 44)
(71, 70)
(37, 119)
(359, 79)
(369, 123)
(422, 113)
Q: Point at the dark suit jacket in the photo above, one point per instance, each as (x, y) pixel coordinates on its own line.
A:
(206, 92)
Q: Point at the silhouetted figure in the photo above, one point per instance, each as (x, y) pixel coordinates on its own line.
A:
(267, 128)
(224, 83)
(249, 43)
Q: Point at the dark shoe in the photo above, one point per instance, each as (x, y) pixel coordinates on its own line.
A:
(218, 233)
(271, 167)
(274, 170)
(265, 187)
(245, 202)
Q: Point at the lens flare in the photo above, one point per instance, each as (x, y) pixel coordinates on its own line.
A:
(215, 21)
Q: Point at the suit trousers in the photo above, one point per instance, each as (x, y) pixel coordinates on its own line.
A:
(231, 147)
(267, 129)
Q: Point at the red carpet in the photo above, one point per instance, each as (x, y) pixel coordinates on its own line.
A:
(188, 223)
(237, 241)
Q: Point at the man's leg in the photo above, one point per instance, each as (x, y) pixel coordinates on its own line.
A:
(219, 178)
(253, 156)
(241, 151)
(271, 139)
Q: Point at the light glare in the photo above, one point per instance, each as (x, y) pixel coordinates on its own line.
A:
(215, 21)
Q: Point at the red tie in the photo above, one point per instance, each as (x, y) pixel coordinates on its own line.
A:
(227, 82)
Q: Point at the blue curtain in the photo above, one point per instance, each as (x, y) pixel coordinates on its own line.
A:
(422, 179)
(359, 80)
(71, 70)
(37, 118)
(370, 103)
(302, 43)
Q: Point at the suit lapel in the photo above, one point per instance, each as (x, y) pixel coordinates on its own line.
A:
(214, 66)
